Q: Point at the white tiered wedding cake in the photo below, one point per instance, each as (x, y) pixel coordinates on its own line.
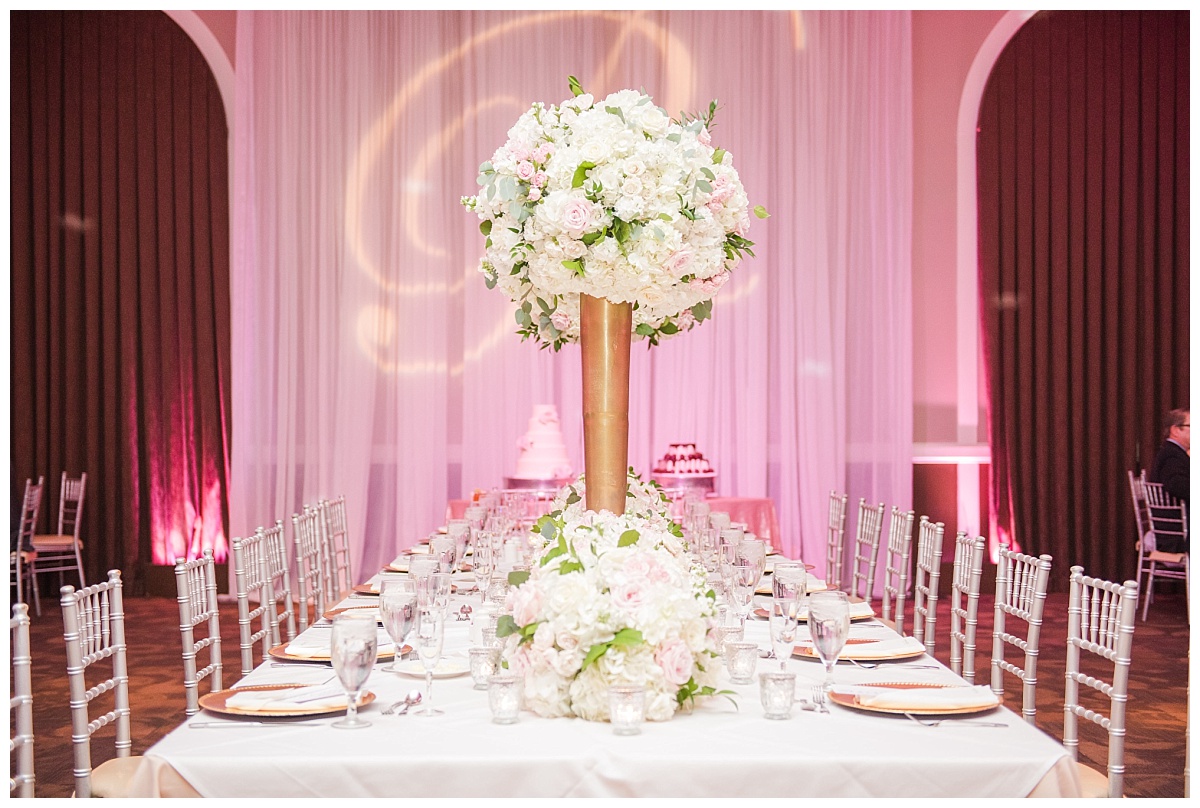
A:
(543, 460)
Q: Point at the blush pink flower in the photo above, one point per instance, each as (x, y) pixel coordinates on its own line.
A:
(577, 214)
(704, 138)
(539, 179)
(629, 594)
(560, 320)
(675, 659)
(527, 604)
(525, 171)
(677, 265)
(710, 286)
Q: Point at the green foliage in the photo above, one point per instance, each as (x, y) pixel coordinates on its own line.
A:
(576, 87)
(628, 537)
(761, 212)
(518, 577)
(505, 625)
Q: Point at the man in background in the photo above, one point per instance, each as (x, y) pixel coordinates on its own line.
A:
(1173, 461)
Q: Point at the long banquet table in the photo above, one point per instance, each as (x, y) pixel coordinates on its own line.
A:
(717, 750)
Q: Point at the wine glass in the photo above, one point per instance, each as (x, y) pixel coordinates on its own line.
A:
(829, 624)
(352, 647)
(397, 610)
(459, 531)
(442, 547)
(431, 624)
(783, 629)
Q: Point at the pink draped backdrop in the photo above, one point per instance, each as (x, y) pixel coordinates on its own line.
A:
(370, 360)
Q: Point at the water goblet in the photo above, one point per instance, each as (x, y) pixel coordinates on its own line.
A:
(829, 624)
(352, 648)
(397, 610)
(431, 625)
(442, 547)
(482, 563)
(719, 519)
(433, 591)
(420, 566)
(753, 551)
(459, 531)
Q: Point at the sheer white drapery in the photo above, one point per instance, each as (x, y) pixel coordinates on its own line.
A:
(368, 357)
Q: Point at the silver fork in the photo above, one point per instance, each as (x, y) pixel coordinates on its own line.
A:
(819, 698)
(956, 722)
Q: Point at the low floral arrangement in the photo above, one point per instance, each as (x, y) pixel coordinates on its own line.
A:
(612, 199)
(643, 500)
(610, 600)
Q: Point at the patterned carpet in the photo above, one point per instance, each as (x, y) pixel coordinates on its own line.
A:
(1155, 744)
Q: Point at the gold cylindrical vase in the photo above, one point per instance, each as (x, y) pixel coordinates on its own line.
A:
(605, 333)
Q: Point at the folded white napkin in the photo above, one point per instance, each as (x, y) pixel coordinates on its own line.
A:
(856, 610)
(311, 697)
(884, 649)
(314, 644)
(922, 698)
(419, 549)
(811, 585)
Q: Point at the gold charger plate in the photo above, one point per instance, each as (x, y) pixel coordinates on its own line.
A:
(280, 652)
(851, 700)
(765, 615)
(808, 652)
(215, 702)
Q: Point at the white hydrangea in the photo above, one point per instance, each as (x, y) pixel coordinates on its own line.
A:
(612, 199)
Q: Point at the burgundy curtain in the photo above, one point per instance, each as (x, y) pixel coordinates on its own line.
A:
(1083, 220)
(120, 280)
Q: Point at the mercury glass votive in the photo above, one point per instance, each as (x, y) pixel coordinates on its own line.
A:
(728, 634)
(504, 697)
(627, 708)
(742, 659)
(483, 665)
(778, 693)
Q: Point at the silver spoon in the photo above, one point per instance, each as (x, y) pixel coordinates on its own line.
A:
(413, 697)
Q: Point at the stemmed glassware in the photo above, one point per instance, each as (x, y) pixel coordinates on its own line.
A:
(442, 547)
(829, 624)
(352, 647)
(431, 624)
(459, 531)
(745, 581)
(483, 562)
(433, 592)
(397, 610)
(783, 629)
(753, 551)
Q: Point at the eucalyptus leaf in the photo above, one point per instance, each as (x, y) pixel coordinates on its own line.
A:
(704, 186)
(616, 111)
(523, 317)
(505, 625)
(518, 577)
(708, 173)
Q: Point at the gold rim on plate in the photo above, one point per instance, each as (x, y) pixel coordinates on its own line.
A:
(851, 700)
(809, 652)
(280, 652)
(366, 589)
(765, 615)
(215, 702)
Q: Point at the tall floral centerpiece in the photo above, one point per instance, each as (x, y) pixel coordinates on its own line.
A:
(607, 221)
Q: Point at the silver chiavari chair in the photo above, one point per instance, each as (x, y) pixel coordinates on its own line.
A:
(94, 632)
(20, 706)
(281, 582)
(196, 591)
(20, 566)
(338, 579)
(251, 579)
(897, 561)
(310, 569)
(867, 533)
(1100, 620)
(927, 581)
(835, 539)
(1021, 583)
(62, 551)
(1168, 527)
(964, 603)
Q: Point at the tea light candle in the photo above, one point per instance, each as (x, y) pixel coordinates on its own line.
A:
(504, 697)
(627, 708)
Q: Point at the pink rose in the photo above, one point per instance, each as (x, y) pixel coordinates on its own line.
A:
(675, 660)
(629, 594)
(704, 138)
(710, 286)
(534, 194)
(657, 573)
(577, 214)
(677, 265)
(560, 320)
(542, 153)
(527, 604)
(685, 319)
(637, 566)
(526, 171)
(539, 179)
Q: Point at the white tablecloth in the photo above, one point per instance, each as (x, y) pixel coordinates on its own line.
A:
(718, 750)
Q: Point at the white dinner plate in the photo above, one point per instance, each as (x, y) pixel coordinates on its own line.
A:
(446, 668)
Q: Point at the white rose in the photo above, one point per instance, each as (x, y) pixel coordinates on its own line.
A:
(653, 121)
